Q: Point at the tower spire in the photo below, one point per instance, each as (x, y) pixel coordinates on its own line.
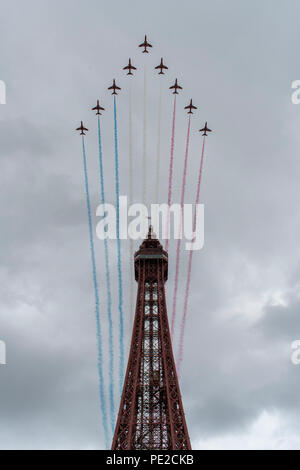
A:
(151, 415)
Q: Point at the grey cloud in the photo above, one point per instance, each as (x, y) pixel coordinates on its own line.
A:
(237, 62)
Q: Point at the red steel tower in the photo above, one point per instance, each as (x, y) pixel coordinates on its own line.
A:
(151, 415)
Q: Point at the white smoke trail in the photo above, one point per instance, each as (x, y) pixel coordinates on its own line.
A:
(130, 154)
(120, 282)
(144, 164)
(158, 144)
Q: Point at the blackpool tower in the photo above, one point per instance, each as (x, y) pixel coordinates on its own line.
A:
(151, 415)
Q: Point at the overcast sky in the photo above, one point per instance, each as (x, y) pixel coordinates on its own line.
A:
(237, 61)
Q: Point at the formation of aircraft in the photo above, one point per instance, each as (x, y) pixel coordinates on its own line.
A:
(175, 87)
(190, 107)
(145, 44)
(129, 67)
(98, 108)
(162, 67)
(114, 87)
(205, 129)
(82, 129)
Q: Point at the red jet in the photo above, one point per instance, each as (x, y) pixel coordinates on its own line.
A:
(176, 87)
(114, 87)
(162, 67)
(98, 108)
(129, 67)
(145, 44)
(205, 129)
(82, 129)
(190, 107)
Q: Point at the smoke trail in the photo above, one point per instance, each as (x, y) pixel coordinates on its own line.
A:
(171, 173)
(158, 144)
(108, 287)
(144, 166)
(97, 310)
(180, 228)
(131, 280)
(130, 146)
(188, 281)
(121, 320)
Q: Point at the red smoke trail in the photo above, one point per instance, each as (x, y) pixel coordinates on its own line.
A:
(180, 228)
(188, 281)
(171, 173)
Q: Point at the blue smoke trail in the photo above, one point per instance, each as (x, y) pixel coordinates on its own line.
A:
(108, 286)
(119, 251)
(97, 310)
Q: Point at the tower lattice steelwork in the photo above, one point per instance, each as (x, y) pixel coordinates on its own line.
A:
(151, 414)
